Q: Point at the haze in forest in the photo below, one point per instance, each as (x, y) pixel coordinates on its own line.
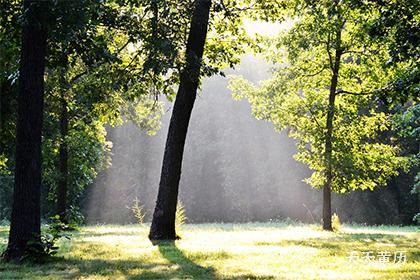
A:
(236, 168)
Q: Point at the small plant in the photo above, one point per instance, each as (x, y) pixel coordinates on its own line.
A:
(40, 249)
(335, 222)
(416, 218)
(180, 217)
(138, 211)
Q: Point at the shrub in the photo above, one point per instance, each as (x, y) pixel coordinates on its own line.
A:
(138, 211)
(416, 218)
(41, 249)
(180, 217)
(335, 222)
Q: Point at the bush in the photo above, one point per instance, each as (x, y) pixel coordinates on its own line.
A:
(335, 222)
(416, 218)
(180, 217)
(41, 249)
(138, 211)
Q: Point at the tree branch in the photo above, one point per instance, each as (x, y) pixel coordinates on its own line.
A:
(329, 53)
(352, 93)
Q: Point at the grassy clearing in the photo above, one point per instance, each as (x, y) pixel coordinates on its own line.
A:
(227, 251)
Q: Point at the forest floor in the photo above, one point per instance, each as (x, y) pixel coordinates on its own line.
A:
(231, 251)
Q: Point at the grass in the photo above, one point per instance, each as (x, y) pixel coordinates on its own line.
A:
(227, 251)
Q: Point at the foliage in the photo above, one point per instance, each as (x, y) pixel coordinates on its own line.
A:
(296, 98)
(108, 61)
(335, 222)
(416, 218)
(407, 128)
(89, 152)
(74, 217)
(138, 211)
(397, 26)
(40, 250)
(93, 80)
(180, 217)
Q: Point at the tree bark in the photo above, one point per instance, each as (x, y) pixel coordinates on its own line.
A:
(63, 163)
(25, 219)
(326, 209)
(163, 223)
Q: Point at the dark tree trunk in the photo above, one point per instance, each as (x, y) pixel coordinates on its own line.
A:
(326, 209)
(63, 163)
(25, 219)
(163, 223)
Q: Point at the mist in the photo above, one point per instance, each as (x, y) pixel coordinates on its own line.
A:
(236, 168)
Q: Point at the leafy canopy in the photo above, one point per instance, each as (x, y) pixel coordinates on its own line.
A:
(296, 97)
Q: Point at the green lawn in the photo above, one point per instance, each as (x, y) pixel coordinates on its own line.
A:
(228, 251)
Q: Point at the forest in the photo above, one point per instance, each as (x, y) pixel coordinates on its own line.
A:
(209, 139)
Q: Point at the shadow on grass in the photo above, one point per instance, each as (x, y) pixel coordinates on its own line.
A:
(187, 268)
(180, 266)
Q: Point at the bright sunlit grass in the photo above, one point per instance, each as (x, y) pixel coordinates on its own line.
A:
(228, 251)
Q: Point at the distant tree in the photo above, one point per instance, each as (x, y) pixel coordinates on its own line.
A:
(76, 143)
(323, 90)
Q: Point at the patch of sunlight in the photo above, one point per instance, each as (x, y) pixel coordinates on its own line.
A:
(220, 251)
(414, 232)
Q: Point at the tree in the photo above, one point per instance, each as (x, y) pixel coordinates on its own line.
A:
(397, 28)
(203, 57)
(163, 223)
(89, 104)
(25, 222)
(323, 90)
(103, 82)
(40, 24)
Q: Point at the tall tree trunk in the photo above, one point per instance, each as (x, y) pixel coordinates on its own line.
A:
(163, 223)
(25, 219)
(326, 209)
(63, 163)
